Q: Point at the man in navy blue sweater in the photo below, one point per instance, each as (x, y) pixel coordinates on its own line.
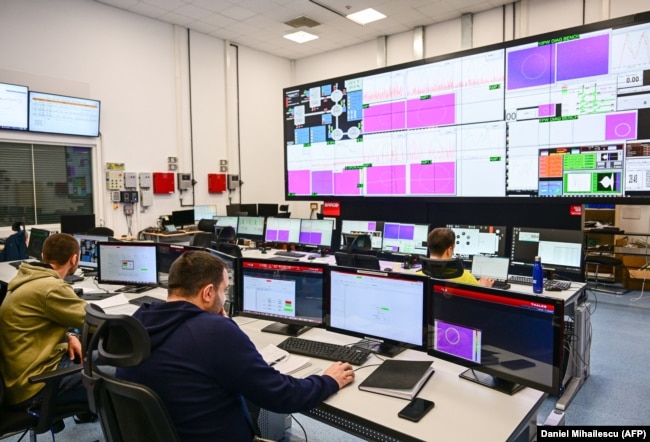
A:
(203, 366)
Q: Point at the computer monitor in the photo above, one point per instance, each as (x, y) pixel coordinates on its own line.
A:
(167, 253)
(387, 309)
(479, 240)
(405, 238)
(223, 221)
(205, 212)
(560, 250)
(77, 223)
(89, 250)
(35, 243)
(127, 263)
(182, 218)
(507, 339)
(267, 210)
(248, 209)
(290, 293)
(231, 265)
(233, 209)
(316, 232)
(251, 227)
(285, 230)
(374, 229)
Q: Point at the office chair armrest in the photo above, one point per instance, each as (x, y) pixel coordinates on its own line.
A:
(56, 375)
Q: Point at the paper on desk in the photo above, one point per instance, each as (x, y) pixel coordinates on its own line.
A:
(124, 309)
(112, 301)
(282, 360)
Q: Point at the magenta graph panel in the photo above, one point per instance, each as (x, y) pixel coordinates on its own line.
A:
(299, 182)
(436, 111)
(386, 180)
(384, 117)
(347, 182)
(620, 126)
(433, 179)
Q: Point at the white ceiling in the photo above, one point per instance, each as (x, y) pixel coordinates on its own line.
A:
(259, 24)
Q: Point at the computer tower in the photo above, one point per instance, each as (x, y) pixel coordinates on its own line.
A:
(273, 425)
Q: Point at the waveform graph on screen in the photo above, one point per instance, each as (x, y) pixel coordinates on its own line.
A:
(532, 66)
(383, 87)
(630, 49)
(428, 178)
(429, 111)
(386, 180)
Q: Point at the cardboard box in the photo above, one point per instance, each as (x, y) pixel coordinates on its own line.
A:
(636, 278)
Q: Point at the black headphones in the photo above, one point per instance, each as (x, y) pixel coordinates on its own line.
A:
(17, 226)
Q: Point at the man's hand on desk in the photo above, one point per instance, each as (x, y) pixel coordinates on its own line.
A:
(486, 281)
(341, 372)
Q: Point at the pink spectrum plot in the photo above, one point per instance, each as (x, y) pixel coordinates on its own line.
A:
(433, 179)
(546, 110)
(384, 117)
(347, 182)
(436, 111)
(386, 180)
(299, 182)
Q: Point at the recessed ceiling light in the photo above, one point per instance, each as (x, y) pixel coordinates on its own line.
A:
(301, 37)
(366, 16)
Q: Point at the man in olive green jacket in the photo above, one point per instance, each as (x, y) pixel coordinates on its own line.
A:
(35, 319)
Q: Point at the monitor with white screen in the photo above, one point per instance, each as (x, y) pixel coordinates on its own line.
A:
(387, 309)
(13, 106)
(479, 240)
(560, 250)
(223, 221)
(290, 293)
(127, 263)
(316, 232)
(405, 238)
(374, 229)
(59, 114)
(205, 212)
(284, 230)
(251, 227)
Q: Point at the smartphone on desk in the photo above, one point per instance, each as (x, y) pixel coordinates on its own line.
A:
(416, 409)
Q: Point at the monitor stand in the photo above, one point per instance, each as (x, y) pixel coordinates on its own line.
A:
(285, 329)
(380, 348)
(490, 381)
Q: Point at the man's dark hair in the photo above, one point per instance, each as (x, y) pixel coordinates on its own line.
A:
(193, 270)
(440, 239)
(59, 247)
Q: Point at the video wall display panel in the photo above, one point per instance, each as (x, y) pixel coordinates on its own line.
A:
(557, 115)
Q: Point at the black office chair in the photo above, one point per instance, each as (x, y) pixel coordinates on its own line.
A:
(203, 239)
(225, 233)
(206, 225)
(344, 259)
(283, 211)
(368, 262)
(127, 411)
(14, 421)
(100, 231)
(442, 268)
(596, 260)
(229, 249)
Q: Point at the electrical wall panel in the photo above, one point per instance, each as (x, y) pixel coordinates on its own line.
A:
(130, 180)
(163, 182)
(216, 182)
(146, 180)
(114, 179)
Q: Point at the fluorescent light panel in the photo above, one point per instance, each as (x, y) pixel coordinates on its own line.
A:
(366, 16)
(300, 37)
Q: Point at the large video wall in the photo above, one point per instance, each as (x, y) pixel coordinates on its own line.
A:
(560, 115)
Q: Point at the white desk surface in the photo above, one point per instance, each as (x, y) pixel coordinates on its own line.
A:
(463, 410)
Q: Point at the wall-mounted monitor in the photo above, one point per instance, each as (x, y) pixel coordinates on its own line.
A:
(60, 114)
(375, 229)
(13, 106)
(546, 116)
(560, 250)
(127, 263)
(316, 232)
(483, 329)
(405, 238)
(284, 230)
(77, 223)
(479, 240)
(291, 293)
(387, 309)
(205, 212)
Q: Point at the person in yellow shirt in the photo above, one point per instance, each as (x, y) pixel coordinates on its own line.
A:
(441, 243)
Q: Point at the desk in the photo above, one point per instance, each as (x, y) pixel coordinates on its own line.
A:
(492, 416)
(179, 237)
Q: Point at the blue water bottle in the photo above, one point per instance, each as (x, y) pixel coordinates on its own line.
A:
(538, 276)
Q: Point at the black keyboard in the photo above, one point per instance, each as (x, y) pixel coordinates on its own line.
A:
(71, 279)
(549, 284)
(134, 289)
(142, 299)
(290, 254)
(501, 285)
(324, 350)
(17, 264)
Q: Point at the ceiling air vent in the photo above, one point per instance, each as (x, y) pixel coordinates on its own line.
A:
(302, 22)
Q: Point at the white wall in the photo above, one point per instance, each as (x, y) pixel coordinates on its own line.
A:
(138, 67)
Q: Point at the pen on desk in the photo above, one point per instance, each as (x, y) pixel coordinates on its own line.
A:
(280, 359)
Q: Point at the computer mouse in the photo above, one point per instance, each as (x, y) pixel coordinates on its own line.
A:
(388, 269)
(553, 289)
(311, 257)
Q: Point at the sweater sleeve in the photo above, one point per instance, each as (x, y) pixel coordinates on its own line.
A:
(248, 374)
(64, 307)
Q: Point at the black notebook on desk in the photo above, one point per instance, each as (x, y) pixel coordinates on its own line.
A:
(398, 378)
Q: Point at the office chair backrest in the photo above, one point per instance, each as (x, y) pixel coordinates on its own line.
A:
(442, 268)
(100, 231)
(206, 225)
(127, 411)
(15, 247)
(203, 239)
(344, 259)
(361, 243)
(366, 262)
(229, 249)
(225, 233)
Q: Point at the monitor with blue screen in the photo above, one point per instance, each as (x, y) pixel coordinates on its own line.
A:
(89, 250)
(316, 232)
(405, 238)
